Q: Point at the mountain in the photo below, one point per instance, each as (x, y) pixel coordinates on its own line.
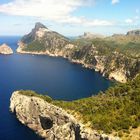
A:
(5, 49)
(42, 39)
(115, 57)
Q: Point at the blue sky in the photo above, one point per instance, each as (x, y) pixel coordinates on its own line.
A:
(71, 18)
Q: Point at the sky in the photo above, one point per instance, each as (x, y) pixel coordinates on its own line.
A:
(70, 17)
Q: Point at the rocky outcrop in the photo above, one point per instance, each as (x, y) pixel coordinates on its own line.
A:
(118, 75)
(46, 38)
(5, 49)
(49, 121)
(111, 64)
(133, 33)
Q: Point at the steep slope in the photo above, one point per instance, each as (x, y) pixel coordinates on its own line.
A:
(41, 39)
(49, 121)
(116, 57)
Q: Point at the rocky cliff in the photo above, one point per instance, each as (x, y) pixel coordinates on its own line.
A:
(5, 49)
(41, 39)
(103, 55)
(49, 121)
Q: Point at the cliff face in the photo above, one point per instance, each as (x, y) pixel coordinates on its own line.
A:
(98, 54)
(41, 39)
(5, 49)
(49, 121)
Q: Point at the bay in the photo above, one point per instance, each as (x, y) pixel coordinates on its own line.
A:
(53, 76)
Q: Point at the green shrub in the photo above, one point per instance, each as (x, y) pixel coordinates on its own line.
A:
(34, 94)
(117, 109)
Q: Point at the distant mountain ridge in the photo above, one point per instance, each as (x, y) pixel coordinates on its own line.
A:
(116, 57)
(134, 32)
(88, 35)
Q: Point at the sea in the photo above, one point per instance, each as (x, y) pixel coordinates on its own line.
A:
(53, 76)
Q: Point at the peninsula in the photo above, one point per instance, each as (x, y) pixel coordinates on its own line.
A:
(114, 112)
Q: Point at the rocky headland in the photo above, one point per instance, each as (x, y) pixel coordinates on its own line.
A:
(5, 49)
(49, 121)
(112, 59)
(114, 112)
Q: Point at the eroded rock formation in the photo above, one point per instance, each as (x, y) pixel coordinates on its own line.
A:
(49, 121)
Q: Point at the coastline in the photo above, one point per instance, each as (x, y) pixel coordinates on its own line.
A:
(98, 68)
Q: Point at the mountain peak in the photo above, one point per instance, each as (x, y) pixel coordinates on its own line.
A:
(39, 25)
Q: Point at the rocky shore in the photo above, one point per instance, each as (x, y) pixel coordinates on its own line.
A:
(5, 49)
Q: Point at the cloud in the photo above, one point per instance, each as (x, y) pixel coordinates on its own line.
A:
(115, 1)
(86, 22)
(129, 21)
(52, 10)
(133, 20)
(136, 17)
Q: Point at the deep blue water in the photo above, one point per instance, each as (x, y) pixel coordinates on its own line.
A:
(56, 77)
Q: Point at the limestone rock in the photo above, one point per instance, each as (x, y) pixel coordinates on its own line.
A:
(49, 121)
(118, 75)
(5, 49)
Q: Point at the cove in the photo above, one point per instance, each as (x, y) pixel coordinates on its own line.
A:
(54, 76)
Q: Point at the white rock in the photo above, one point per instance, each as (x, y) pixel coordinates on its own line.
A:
(5, 49)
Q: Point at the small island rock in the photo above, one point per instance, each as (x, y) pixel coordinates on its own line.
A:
(5, 49)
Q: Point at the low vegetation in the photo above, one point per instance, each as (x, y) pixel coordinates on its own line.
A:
(117, 109)
(34, 94)
(127, 45)
(35, 46)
